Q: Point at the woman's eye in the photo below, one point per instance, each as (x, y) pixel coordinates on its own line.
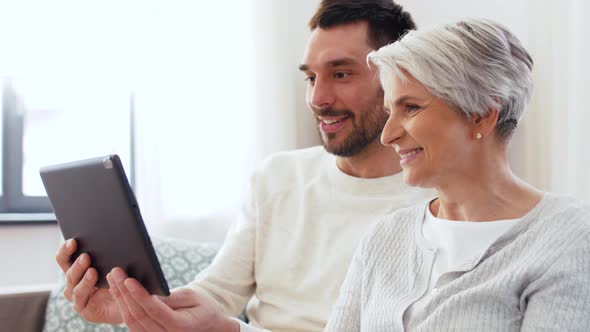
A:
(411, 108)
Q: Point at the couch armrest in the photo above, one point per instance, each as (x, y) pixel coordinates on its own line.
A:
(23, 309)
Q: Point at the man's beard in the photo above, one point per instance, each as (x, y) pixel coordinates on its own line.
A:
(367, 127)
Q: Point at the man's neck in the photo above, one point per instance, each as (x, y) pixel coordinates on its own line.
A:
(375, 161)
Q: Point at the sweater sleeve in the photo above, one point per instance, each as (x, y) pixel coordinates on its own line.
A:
(229, 280)
(245, 327)
(560, 299)
(346, 313)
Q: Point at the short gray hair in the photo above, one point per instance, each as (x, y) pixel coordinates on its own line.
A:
(475, 65)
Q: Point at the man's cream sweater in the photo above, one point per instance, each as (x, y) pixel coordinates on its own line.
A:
(289, 252)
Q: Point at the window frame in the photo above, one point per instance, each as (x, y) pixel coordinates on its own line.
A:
(12, 199)
(15, 207)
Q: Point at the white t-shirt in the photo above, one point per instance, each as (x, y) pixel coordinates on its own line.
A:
(457, 245)
(289, 252)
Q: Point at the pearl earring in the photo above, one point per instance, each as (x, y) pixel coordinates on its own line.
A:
(478, 136)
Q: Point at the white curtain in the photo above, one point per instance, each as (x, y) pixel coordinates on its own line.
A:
(194, 107)
(549, 149)
(553, 149)
(194, 174)
(224, 93)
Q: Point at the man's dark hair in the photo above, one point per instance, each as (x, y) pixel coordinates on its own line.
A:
(387, 20)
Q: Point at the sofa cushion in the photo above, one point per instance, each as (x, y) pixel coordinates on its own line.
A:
(180, 261)
(28, 305)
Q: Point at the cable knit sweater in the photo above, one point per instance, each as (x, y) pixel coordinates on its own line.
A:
(534, 277)
(289, 251)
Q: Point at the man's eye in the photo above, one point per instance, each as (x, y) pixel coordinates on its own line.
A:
(310, 79)
(340, 74)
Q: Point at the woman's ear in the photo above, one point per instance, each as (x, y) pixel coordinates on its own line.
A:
(484, 125)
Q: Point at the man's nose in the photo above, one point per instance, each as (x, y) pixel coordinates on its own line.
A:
(322, 95)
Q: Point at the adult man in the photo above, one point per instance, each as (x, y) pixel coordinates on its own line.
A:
(307, 210)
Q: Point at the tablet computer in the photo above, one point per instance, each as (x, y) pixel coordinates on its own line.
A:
(94, 204)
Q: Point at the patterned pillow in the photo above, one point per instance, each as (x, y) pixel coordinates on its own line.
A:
(180, 261)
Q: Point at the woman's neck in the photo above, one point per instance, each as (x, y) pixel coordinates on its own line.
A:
(486, 196)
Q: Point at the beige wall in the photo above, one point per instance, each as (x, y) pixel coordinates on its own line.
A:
(27, 254)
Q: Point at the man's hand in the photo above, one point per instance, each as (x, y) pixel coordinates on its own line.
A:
(93, 304)
(183, 310)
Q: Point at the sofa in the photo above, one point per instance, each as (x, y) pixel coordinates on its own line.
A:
(48, 310)
(23, 311)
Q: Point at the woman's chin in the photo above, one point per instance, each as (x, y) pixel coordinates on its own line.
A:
(412, 179)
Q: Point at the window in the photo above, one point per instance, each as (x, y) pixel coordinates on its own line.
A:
(47, 124)
(74, 64)
(13, 198)
(65, 93)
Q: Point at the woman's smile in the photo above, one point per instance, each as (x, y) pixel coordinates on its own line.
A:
(407, 156)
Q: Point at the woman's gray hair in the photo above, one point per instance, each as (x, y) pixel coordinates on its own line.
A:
(475, 65)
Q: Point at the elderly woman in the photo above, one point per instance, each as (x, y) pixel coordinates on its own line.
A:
(491, 253)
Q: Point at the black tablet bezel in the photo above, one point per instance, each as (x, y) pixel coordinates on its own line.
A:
(91, 194)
